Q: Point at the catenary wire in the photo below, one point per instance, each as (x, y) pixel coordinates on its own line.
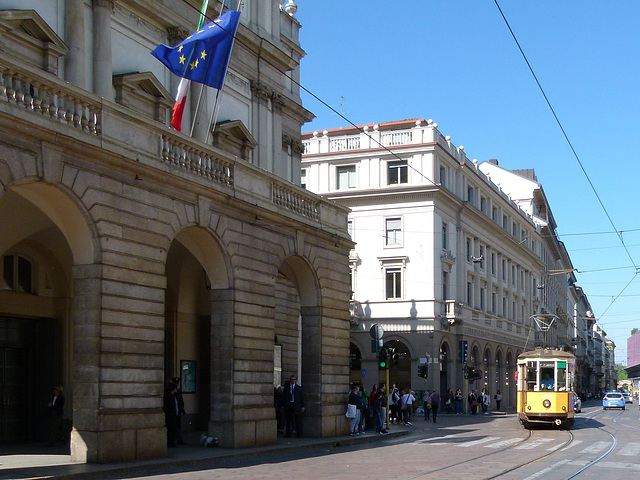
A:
(564, 133)
(391, 152)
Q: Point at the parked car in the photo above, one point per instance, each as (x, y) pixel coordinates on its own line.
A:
(577, 404)
(627, 397)
(613, 400)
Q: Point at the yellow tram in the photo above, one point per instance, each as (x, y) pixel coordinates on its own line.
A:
(544, 380)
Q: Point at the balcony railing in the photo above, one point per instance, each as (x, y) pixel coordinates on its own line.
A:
(32, 95)
(47, 96)
(342, 144)
(393, 139)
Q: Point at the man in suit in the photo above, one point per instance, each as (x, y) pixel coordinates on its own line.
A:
(294, 407)
(56, 412)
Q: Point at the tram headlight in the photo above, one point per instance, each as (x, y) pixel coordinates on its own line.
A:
(564, 408)
(546, 403)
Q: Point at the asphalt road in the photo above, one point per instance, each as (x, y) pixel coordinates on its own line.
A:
(457, 447)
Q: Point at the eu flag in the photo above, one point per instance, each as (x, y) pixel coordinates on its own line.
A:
(204, 56)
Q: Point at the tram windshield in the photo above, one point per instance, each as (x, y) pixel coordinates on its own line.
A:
(547, 375)
(546, 378)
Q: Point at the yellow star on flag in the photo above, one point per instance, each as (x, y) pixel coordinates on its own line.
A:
(194, 64)
(203, 54)
(182, 58)
(180, 48)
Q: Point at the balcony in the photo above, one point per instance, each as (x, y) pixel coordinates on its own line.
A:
(32, 98)
(453, 312)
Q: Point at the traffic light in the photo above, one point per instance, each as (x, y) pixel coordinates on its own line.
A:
(393, 357)
(383, 360)
(423, 370)
(464, 353)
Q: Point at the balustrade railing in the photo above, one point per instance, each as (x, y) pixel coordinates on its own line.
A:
(189, 158)
(342, 144)
(295, 201)
(393, 139)
(49, 97)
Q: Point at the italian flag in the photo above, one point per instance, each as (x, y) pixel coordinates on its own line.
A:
(181, 100)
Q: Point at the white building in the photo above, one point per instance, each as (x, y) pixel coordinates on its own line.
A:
(447, 251)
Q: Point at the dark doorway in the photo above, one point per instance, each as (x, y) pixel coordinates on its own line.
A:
(29, 363)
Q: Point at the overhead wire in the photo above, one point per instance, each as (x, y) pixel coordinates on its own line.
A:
(392, 153)
(575, 154)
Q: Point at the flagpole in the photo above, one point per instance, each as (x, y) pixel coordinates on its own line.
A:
(202, 85)
(216, 105)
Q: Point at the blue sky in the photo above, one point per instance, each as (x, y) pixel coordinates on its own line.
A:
(456, 62)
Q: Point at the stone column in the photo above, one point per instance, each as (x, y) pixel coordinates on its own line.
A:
(222, 366)
(74, 37)
(312, 374)
(102, 55)
(86, 362)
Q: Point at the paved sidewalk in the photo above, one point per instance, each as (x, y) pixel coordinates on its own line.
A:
(36, 461)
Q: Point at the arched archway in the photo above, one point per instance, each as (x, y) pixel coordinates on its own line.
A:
(400, 374)
(196, 269)
(509, 380)
(499, 378)
(45, 233)
(298, 326)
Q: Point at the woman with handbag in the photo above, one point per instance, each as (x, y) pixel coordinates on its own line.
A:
(354, 410)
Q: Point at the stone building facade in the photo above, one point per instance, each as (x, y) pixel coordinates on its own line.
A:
(132, 253)
(449, 252)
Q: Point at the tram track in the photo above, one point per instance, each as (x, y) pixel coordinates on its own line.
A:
(530, 462)
(568, 460)
(476, 458)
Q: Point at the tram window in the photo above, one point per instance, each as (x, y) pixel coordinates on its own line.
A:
(546, 379)
(531, 378)
(562, 378)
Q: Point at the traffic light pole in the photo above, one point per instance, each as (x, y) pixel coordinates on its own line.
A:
(386, 420)
(465, 393)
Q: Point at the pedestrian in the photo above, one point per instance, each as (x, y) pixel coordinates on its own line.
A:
(294, 407)
(278, 404)
(435, 403)
(486, 402)
(459, 397)
(56, 412)
(355, 399)
(426, 404)
(394, 405)
(406, 407)
(170, 408)
(181, 410)
(384, 400)
(498, 398)
(473, 401)
(449, 401)
(364, 393)
(376, 407)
